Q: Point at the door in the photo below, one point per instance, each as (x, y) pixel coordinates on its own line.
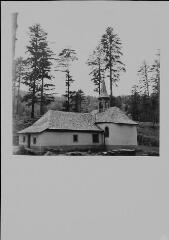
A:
(29, 140)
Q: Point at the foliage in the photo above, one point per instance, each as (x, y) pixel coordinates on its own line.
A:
(65, 59)
(144, 79)
(112, 47)
(144, 101)
(96, 63)
(68, 102)
(106, 58)
(79, 101)
(38, 69)
(64, 62)
(148, 134)
(46, 88)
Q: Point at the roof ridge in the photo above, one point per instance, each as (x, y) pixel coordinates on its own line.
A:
(63, 120)
(65, 112)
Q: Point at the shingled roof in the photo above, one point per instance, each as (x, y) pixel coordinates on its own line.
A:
(114, 115)
(59, 120)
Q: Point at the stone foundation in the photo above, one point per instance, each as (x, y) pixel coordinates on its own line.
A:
(116, 147)
(64, 149)
(60, 149)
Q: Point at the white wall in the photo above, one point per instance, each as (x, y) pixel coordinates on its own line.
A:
(120, 134)
(21, 142)
(66, 139)
(60, 139)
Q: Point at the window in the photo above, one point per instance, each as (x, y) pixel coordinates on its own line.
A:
(106, 132)
(100, 106)
(23, 138)
(34, 140)
(75, 138)
(95, 138)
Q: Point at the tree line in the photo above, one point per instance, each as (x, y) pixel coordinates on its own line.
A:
(35, 70)
(105, 62)
(145, 99)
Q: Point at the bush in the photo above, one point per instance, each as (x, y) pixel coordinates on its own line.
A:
(21, 151)
(147, 140)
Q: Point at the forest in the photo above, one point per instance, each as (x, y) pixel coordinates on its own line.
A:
(105, 62)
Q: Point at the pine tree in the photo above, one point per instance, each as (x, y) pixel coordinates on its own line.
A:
(67, 106)
(135, 103)
(112, 46)
(33, 72)
(79, 101)
(96, 63)
(144, 90)
(46, 87)
(64, 61)
(38, 68)
(155, 79)
(144, 79)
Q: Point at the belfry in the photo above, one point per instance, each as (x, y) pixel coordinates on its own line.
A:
(104, 100)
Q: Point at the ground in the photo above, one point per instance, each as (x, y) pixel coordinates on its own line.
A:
(138, 151)
(148, 134)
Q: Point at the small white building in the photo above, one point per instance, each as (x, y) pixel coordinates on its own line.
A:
(107, 127)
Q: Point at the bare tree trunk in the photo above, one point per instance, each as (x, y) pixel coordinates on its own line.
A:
(146, 77)
(14, 85)
(111, 90)
(18, 95)
(111, 81)
(99, 77)
(68, 93)
(33, 101)
(80, 104)
(34, 86)
(41, 102)
(14, 27)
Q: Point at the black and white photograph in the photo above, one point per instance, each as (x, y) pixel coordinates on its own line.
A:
(86, 80)
(84, 120)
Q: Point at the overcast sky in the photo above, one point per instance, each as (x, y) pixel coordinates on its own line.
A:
(80, 25)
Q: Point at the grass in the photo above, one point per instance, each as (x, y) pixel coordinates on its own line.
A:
(148, 135)
(147, 150)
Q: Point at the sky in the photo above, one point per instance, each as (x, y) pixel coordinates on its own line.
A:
(81, 24)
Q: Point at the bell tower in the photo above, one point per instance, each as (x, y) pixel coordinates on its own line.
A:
(104, 100)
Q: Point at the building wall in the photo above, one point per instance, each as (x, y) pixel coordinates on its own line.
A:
(25, 143)
(60, 139)
(120, 134)
(66, 138)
